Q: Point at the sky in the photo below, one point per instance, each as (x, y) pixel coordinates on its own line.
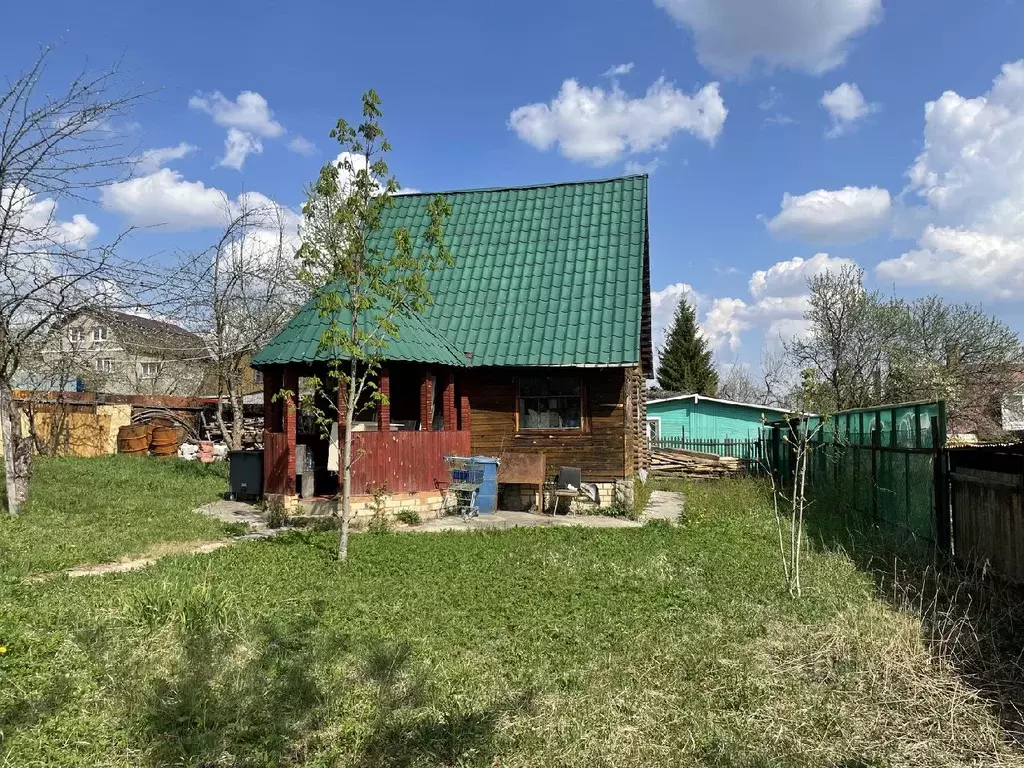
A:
(782, 137)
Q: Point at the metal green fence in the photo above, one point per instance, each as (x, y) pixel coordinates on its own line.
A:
(880, 465)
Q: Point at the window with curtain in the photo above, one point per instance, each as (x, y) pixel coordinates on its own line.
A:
(550, 402)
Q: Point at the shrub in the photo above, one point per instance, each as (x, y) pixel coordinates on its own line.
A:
(408, 516)
(274, 510)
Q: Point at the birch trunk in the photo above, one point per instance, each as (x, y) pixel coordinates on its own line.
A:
(17, 456)
(346, 486)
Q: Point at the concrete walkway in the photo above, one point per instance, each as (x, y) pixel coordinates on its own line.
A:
(503, 520)
(664, 505)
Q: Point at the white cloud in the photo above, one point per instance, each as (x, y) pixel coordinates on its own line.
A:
(789, 278)
(34, 225)
(846, 215)
(152, 159)
(248, 112)
(632, 166)
(619, 70)
(164, 197)
(599, 126)
(809, 35)
(962, 259)
(238, 145)
(969, 180)
(775, 307)
(846, 105)
(302, 146)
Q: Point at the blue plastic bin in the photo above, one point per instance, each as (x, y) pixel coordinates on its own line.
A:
(487, 496)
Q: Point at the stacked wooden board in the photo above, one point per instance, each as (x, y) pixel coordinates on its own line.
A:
(679, 463)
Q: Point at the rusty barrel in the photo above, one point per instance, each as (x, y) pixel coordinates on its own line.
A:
(133, 439)
(165, 441)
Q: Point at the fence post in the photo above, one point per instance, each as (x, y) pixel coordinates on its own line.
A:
(945, 513)
(876, 444)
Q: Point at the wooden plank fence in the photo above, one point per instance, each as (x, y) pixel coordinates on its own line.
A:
(987, 494)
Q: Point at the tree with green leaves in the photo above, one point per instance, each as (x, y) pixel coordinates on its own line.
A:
(686, 364)
(363, 280)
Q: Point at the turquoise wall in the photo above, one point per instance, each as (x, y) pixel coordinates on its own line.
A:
(707, 420)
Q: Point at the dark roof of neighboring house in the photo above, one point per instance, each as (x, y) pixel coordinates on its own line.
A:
(143, 323)
(552, 275)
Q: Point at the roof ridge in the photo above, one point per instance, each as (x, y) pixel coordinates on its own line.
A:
(546, 185)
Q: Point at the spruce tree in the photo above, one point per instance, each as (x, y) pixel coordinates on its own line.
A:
(685, 364)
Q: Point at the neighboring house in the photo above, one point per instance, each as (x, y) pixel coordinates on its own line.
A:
(118, 353)
(539, 340)
(693, 418)
(1012, 411)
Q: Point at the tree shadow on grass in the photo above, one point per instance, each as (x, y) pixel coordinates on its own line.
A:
(275, 697)
(970, 618)
(413, 725)
(253, 701)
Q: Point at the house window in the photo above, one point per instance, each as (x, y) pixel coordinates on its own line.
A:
(150, 370)
(104, 364)
(550, 402)
(654, 428)
(99, 333)
(76, 335)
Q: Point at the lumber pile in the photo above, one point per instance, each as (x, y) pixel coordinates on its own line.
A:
(692, 464)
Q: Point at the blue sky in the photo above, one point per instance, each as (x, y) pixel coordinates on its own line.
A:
(721, 99)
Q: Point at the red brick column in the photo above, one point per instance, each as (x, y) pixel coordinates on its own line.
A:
(384, 406)
(290, 382)
(464, 408)
(426, 398)
(271, 408)
(448, 403)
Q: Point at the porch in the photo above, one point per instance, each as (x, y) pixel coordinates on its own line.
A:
(400, 444)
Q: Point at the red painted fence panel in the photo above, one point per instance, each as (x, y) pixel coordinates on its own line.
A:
(275, 463)
(404, 461)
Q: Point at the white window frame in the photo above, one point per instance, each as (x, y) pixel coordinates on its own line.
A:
(154, 374)
(105, 364)
(76, 335)
(100, 333)
(647, 426)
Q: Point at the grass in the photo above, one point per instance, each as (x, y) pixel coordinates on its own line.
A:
(97, 510)
(656, 646)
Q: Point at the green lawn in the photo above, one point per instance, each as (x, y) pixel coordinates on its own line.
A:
(657, 646)
(83, 511)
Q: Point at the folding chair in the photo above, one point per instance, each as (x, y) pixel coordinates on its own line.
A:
(567, 486)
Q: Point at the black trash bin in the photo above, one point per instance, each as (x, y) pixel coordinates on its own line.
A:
(246, 474)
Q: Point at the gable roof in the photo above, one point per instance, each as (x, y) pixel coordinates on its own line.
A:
(299, 341)
(697, 398)
(550, 275)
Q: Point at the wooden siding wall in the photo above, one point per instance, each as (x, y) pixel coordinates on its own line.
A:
(600, 454)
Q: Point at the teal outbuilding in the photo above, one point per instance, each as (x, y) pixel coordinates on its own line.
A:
(696, 418)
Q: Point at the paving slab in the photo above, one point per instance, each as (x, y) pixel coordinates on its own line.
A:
(504, 519)
(664, 505)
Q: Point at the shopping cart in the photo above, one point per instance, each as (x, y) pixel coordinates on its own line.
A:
(464, 479)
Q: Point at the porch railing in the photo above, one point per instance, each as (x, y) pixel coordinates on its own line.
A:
(404, 461)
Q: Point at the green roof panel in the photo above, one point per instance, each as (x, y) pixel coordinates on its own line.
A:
(544, 276)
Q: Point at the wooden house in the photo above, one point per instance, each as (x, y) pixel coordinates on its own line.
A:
(539, 340)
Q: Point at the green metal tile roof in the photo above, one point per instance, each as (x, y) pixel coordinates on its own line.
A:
(299, 341)
(544, 276)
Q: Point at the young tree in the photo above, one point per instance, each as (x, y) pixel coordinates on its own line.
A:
(55, 146)
(363, 280)
(685, 364)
